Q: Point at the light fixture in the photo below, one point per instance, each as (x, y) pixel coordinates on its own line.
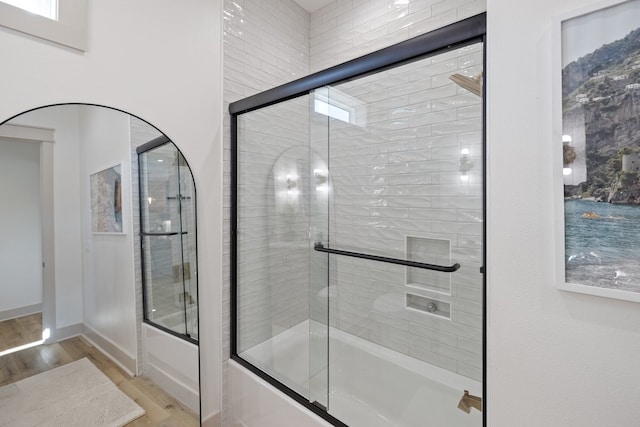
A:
(568, 154)
(321, 177)
(464, 164)
(291, 182)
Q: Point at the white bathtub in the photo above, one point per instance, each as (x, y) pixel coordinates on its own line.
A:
(370, 385)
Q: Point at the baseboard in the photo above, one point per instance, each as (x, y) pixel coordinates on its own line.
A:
(69, 331)
(110, 349)
(212, 420)
(20, 312)
(177, 389)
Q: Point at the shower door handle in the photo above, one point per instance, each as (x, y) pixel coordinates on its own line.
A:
(173, 233)
(318, 246)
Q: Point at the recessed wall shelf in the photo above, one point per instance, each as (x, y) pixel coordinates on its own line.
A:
(428, 250)
(428, 305)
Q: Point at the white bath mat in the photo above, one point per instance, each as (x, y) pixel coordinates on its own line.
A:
(76, 394)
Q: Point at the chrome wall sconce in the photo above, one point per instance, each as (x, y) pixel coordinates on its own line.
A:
(568, 154)
(291, 183)
(464, 164)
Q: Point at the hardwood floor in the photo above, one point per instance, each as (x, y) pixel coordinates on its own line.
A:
(20, 331)
(161, 409)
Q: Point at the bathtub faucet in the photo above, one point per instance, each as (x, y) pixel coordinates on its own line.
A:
(469, 401)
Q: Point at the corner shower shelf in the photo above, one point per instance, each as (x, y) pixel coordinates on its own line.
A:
(320, 247)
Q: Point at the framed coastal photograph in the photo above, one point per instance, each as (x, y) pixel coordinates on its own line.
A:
(106, 200)
(598, 128)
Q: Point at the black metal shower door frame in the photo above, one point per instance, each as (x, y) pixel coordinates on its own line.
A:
(145, 148)
(466, 32)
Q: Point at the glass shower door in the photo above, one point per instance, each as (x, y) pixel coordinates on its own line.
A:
(405, 157)
(281, 320)
(168, 241)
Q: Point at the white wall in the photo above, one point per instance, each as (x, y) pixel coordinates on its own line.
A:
(163, 65)
(109, 282)
(21, 248)
(555, 358)
(172, 363)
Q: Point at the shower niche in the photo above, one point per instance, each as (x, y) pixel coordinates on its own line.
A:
(358, 238)
(433, 251)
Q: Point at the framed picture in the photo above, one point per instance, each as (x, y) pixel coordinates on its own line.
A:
(106, 200)
(597, 142)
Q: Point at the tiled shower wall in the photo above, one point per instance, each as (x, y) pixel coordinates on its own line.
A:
(273, 221)
(397, 190)
(266, 44)
(348, 29)
(271, 43)
(261, 53)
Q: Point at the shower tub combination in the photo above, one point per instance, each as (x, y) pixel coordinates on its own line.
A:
(358, 235)
(370, 385)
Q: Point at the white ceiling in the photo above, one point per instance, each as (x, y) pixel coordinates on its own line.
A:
(313, 5)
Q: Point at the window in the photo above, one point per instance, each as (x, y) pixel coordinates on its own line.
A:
(46, 8)
(331, 102)
(58, 21)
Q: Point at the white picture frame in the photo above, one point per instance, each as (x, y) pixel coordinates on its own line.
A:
(105, 192)
(594, 249)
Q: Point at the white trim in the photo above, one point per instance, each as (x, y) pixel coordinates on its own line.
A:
(160, 369)
(183, 393)
(213, 420)
(110, 349)
(26, 133)
(70, 331)
(14, 313)
(585, 10)
(600, 292)
(48, 240)
(44, 137)
(69, 30)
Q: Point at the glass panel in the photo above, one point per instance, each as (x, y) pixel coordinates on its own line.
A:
(405, 161)
(277, 285)
(169, 240)
(164, 292)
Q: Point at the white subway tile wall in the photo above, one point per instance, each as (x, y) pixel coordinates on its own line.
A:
(266, 44)
(396, 180)
(273, 221)
(271, 43)
(347, 29)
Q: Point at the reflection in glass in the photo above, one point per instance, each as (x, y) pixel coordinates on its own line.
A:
(388, 165)
(168, 223)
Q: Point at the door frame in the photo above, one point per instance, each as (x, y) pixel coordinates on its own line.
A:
(45, 138)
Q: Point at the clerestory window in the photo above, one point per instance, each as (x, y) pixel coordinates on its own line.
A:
(58, 21)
